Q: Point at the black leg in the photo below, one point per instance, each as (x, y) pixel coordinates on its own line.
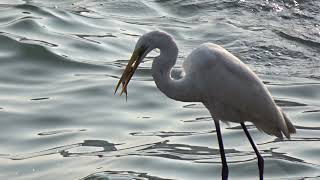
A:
(225, 170)
(260, 159)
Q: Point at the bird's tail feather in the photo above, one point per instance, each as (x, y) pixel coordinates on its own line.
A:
(290, 129)
(284, 128)
(290, 126)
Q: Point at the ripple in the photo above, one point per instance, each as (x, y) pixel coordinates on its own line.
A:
(49, 133)
(40, 99)
(29, 41)
(87, 37)
(194, 106)
(36, 53)
(312, 111)
(285, 103)
(164, 134)
(25, 18)
(199, 119)
(300, 39)
(107, 175)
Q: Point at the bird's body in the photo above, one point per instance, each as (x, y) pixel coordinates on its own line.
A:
(232, 92)
(228, 88)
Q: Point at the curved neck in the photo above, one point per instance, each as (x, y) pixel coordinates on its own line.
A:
(181, 89)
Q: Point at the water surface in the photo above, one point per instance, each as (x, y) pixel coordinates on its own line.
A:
(60, 62)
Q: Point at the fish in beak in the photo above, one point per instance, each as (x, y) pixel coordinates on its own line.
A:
(129, 71)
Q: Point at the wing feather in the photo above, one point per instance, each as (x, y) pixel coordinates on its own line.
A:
(232, 91)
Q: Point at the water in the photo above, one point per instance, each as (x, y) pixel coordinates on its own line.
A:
(60, 61)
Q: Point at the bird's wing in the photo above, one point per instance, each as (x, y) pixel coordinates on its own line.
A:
(229, 87)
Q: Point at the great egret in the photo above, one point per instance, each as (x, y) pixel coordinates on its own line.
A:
(223, 83)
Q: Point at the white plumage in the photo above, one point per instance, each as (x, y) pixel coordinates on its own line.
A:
(232, 92)
(228, 88)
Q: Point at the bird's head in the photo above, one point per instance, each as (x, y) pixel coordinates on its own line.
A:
(145, 44)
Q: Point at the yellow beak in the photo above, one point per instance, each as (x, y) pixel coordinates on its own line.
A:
(129, 71)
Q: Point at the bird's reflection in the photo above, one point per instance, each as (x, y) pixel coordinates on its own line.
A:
(100, 145)
(163, 149)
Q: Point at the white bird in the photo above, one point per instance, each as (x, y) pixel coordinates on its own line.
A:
(228, 88)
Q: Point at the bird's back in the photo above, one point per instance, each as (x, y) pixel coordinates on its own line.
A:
(232, 92)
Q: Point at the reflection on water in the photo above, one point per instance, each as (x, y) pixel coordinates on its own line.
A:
(60, 61)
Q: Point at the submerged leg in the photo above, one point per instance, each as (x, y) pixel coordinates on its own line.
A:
(225, 170)
(260, 159)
